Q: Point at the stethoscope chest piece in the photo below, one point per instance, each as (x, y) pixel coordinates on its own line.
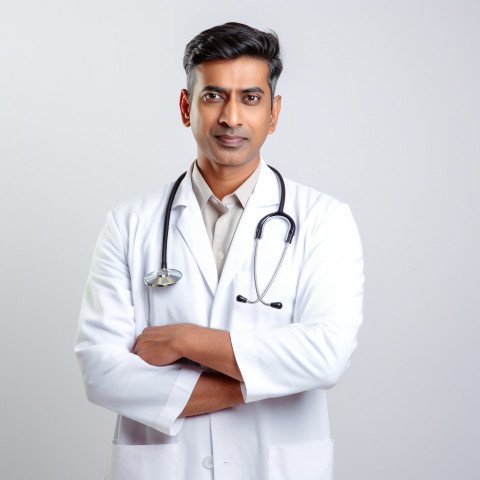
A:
(162, 278)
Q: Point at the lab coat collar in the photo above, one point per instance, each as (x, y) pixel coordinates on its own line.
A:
(267, 189)
(192, 228)
(185, 193)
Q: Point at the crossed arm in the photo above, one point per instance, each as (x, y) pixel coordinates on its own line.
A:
(160, 346)
(311, 352)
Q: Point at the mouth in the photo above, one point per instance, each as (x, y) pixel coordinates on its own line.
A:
(230, 140)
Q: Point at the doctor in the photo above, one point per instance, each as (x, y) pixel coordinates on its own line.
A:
(205, 386)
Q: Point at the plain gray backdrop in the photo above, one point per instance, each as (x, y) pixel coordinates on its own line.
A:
(380, 109)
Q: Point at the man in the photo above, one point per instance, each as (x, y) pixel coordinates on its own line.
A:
(206, 386)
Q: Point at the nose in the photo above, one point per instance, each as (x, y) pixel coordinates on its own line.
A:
(231, 114)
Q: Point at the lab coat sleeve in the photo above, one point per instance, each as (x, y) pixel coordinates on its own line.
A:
(114, 377)
(315, 349)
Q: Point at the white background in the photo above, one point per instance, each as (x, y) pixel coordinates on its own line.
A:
(380, 109)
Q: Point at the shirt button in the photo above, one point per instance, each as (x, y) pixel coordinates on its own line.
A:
(208, 462)
(220, 256)
(224, 219)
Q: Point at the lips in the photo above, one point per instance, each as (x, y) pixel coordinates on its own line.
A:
(230, 140)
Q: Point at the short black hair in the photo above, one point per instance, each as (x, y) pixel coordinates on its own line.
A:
(232, 40)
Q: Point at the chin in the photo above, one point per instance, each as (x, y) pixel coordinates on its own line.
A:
(236, 160)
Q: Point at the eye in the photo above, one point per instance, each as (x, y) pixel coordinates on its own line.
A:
(211, 97)
(251, 98)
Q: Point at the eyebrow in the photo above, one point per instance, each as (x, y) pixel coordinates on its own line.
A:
(213, 88)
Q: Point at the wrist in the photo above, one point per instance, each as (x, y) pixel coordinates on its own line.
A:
(184, 342)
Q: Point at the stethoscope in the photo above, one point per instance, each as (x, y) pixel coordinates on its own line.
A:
(168, 276)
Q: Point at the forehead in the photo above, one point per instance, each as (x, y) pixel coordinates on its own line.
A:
(238, 73)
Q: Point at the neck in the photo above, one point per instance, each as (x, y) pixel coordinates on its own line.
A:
(225, 179)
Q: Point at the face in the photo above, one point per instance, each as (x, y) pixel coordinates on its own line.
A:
(230, 111)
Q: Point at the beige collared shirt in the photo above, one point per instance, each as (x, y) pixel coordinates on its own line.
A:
(221, 217)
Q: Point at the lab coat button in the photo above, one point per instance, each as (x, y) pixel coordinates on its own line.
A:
(208, 462)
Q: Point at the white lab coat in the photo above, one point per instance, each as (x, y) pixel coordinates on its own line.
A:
(287, 357)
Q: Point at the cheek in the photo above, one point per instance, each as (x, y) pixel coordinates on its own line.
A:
(263, 127)
(197, 126)
(201, 121)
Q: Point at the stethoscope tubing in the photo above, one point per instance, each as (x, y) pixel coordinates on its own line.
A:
(168, 211)
(267, 288)
(166, 277)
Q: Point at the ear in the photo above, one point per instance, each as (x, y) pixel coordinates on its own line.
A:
(185, 107)
(277, 105)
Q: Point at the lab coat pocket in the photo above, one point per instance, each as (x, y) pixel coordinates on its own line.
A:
(146, 462)
(308, 461)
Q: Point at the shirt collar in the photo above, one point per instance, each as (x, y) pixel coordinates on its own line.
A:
(203, 191)
(244, 191)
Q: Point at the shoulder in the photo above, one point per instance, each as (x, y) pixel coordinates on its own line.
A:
(322, 219)
(142, 207)
(134, 218)
(311, 204)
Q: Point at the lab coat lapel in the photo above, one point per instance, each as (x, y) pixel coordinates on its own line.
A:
(263, 200)
(192, 228)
